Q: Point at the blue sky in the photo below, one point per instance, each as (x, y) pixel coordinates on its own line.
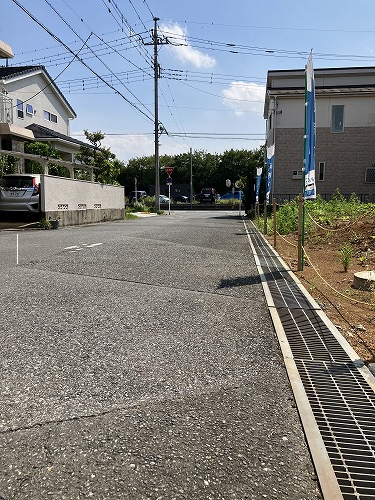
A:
(213, 68)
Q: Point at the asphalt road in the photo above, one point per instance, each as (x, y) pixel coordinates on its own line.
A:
(138, 361)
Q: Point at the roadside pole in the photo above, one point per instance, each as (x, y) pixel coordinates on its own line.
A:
(169, 171)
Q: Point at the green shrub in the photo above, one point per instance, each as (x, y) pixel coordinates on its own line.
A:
(139, 206)
(346, 253)
(45, 224)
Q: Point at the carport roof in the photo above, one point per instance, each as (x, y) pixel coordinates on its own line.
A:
(48, 134)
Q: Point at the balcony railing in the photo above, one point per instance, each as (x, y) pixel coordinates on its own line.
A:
(6, 109)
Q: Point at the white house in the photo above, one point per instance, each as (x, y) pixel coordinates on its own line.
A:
(345, 130)
(32, 107)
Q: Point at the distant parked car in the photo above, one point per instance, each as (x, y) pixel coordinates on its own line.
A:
(20, 193)
(139, 195)
(232, 196)
(207, 195)
(181, 199)
(163, 199)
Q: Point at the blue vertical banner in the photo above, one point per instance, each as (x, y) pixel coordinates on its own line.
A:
(257, 183)
(270, 161)
(310, 132)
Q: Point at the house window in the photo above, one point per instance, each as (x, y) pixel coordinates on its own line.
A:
(337, 119)
(49, 116)
(321, 171)
(370, 174)
(29, 110)
(19, 108)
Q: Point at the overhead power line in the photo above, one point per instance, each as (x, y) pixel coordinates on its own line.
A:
(91, 50)
(81, 60)
(282, 28)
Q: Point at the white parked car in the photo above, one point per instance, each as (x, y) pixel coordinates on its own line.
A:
(20, 193)
(163, 199)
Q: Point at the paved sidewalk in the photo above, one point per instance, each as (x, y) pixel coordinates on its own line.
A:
(139, 361)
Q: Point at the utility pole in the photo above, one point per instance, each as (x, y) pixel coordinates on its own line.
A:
(158, 128)
(191, 178)
(156, 122)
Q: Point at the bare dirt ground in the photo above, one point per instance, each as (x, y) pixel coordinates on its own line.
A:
(350, 309)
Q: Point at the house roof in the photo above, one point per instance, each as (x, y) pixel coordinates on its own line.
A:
(328, 81)
(48, 134)
(325, 78)
(5, 51)
(11, 72)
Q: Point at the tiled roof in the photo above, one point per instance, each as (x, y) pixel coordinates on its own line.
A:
(7, 72)
(46, 133)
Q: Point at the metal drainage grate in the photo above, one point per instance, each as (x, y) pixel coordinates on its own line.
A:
(341, 400)
(344, 408)
(309, 337)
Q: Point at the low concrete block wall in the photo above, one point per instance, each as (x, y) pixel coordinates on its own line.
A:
(80, 202)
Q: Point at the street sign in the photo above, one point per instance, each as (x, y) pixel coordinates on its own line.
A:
(169, 170)
(169, 181)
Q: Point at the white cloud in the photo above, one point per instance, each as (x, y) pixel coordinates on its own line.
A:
(243, 97)
(182, 50)
(127, 147)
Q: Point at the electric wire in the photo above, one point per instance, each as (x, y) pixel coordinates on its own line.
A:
(53, 80)
(139, 17)
(223, 97)
(283, 28)
(80, 59)
(140, 48)
(170, 111)
(184, 40)
(104, 64)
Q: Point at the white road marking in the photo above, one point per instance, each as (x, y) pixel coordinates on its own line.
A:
(94, 245)
(78, 248)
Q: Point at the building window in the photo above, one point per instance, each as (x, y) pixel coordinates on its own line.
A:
(321, 171)
(19, 108)
(29, 110)
(337, 119)
(49, 116)
(297, 174)
(370, 174)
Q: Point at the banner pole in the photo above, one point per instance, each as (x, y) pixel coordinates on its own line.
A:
(274, 222)
(300, 256)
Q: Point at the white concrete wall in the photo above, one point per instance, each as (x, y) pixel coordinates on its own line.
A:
(78, 202)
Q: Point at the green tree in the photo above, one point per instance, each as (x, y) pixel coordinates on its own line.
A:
(142, 169)
(108, 167)
(209, 169)
(44, 150)
(8, 164)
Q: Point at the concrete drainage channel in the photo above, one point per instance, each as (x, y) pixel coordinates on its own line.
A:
(334, 390)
